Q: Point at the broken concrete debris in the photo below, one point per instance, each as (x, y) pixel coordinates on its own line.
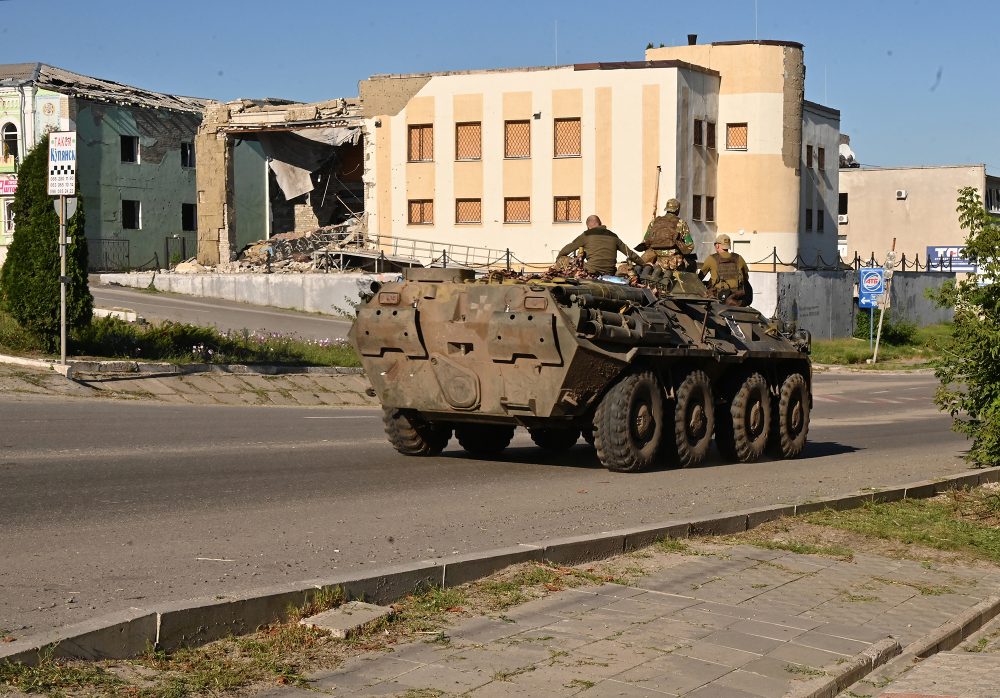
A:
(346, 620)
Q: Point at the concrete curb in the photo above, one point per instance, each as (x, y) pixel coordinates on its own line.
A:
(848, 673)
(198, 621)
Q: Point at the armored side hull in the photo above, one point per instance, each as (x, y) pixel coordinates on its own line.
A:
(647, 379)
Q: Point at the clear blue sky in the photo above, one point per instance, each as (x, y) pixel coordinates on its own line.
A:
(915, 80)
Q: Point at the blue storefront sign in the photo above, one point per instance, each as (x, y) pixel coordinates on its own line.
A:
(948, 258)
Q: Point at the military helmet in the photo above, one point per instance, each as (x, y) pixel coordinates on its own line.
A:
(723, 240)
(673, 206)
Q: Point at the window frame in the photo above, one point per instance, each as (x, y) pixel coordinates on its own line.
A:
(512, 199)
(506, 139)
(194, 217)
(733, 126)
(6, 131)
(710, 209)
(696, 207)
(820, 221)
(698, 134)
(566, 200)
(555, 137)
(479, 157)
(820, 158)
(138, 214)
(188, 158)
(809, 220)
(710, 135)
(469, 222)
(135, 149)
(428, 128)
(843, 203)
(809, 157)
(423, 204)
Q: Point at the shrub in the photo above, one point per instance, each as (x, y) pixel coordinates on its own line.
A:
(896, 332)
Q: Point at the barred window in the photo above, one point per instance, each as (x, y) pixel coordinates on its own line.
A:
(696, 207)
(567, 138)
(809, 219)
(710, 135)
(821, 158)
(709, 209)
(421, 211)
(468, 210)
(809, 156)
(469, 141)
(736, 136)
(698, 140)
(566, 209)
(421, 147)
(517, 139)
(516, 210)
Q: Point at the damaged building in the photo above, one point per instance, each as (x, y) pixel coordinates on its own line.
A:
(135, 160)
(308, 175)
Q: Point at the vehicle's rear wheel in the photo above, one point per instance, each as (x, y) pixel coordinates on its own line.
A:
(746, 426)
(484, 439)
(628, 424)
(694, 419)
(557, 439)
(413, 436)
(791, 418)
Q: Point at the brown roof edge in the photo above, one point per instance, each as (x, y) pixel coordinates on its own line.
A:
(760, 42)
(635, 65)
(820, 107)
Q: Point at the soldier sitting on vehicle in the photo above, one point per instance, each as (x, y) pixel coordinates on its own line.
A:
(600, 248)
(730, 276)
(667, 242)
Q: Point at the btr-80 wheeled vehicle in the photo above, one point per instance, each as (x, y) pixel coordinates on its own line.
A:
(647, 375)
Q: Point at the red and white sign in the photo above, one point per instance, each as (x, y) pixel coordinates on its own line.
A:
(8, 185)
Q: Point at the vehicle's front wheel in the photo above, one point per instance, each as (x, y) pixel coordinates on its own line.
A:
(791, 419)
(557, 439)
(694, 419)
(413, 436)
(628, 424)
(484, 439)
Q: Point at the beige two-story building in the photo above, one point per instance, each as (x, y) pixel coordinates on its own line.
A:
(517, 159)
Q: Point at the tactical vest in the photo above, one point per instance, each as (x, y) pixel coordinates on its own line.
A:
(662, 233)
(729, 271)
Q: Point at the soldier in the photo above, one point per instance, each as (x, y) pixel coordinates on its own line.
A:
(668, 240)
(600, 246)
(730, 276)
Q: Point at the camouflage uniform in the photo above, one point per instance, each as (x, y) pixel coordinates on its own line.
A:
(667, 240)
(729, 274)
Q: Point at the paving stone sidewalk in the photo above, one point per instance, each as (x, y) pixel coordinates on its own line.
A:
(736, 622)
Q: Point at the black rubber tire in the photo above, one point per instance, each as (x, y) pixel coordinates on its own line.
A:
(790, 422)
(411, 435)
(749, 419)
(484, 439)
(628, 424)
(694, 419)
(558, 439)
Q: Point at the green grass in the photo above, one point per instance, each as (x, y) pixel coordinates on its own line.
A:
(837, 551)
(181, 343)
(925, 346)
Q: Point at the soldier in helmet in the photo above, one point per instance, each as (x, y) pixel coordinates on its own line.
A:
(600, 247)
(729, 275)
(668, 240)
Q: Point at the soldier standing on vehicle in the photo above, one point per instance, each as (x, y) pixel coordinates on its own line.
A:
(600, 247)
(730, 276)
(668, 240)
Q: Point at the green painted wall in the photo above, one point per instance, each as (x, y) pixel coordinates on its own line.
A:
(251, 201)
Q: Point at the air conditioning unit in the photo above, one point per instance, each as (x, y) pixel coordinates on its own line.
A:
(842, 219)
(900, 194)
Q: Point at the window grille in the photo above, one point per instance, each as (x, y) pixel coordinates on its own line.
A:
(696, 207)
(468, 211)
(821, 158)
(421, 211)
(567, 138)
(809, 156)
(736, 136)
(517, 139)
(421, 147)
(709, 209)
(698, 140)
(516, 210)
(710, 135)
(469, 141)
(566, 209)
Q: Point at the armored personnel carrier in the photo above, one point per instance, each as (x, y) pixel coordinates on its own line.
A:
(647, 375)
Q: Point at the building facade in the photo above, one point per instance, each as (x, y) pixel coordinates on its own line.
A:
(135, 160)
(517, 159)
(911, 206)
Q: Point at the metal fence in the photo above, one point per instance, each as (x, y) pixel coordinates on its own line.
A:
(108, 254)
(819, 263)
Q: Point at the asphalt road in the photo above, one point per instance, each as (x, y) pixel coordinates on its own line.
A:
(224, 315)
(110, 504)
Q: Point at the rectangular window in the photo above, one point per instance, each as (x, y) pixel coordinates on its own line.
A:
(698, 133)
(709, 209)
(842, 205)
(736, 137)
(710, 135)
(517, 139)
(809, 219)
(566, 138)
(516, 210)
(421, 211)
(566, 209)
(821, 158)
(131, 215)
(187, 155)
(820, 220)
(469, 141)
(421, 143)
(130, 148)
(809, 156)
(189, 217)
(696, 207)
(468, 210)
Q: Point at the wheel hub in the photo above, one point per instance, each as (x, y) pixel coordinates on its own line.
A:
(796, 416)
(644, 423)
(697, 422)
(756, 418)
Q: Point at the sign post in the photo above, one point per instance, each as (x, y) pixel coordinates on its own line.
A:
(62, 183)
(890, 262)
